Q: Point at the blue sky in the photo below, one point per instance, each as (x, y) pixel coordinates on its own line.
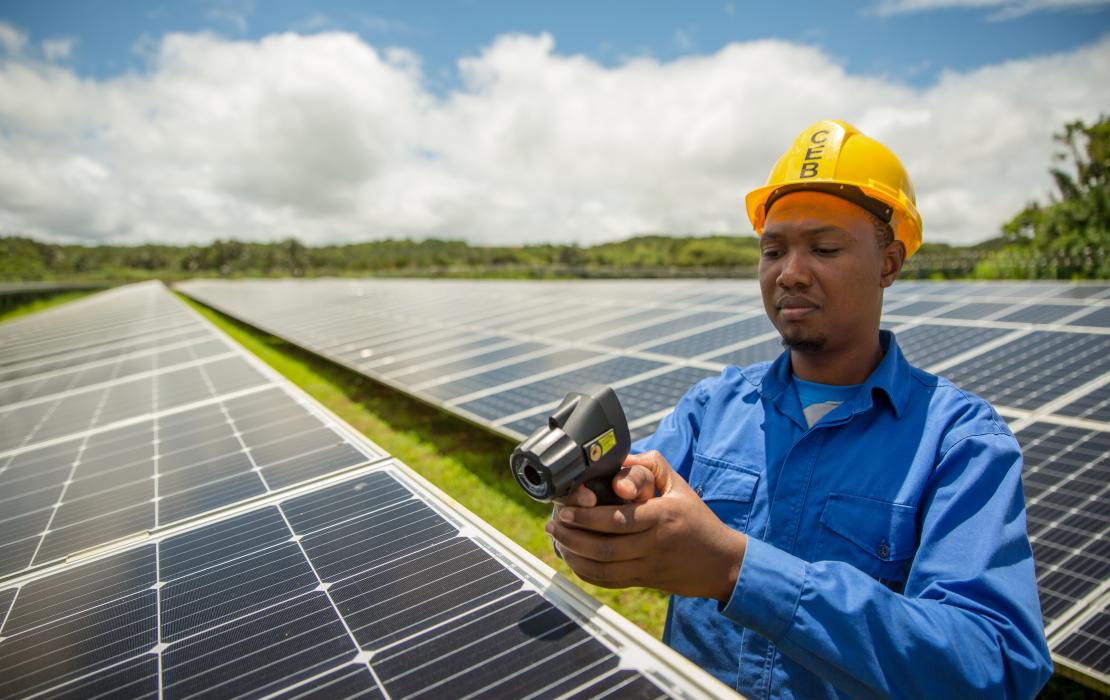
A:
(908, 45)
(517, 122)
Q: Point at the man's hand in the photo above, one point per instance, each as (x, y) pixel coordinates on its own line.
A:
(672, 542)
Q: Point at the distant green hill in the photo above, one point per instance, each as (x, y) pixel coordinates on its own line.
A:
(24, 259)
(27, 259)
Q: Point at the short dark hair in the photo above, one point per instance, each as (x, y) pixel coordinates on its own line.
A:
(884, 234)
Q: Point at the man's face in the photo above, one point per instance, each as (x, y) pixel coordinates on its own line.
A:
(822, 272)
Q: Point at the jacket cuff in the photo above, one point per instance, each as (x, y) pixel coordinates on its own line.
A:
(767, 590)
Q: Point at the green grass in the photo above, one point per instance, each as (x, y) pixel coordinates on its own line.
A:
(30, 306)
(465, 461)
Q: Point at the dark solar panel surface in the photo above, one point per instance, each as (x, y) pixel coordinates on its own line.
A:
(176, 536)
(1029, 371)
(927, 344)
(360, 584)
(1093, 406)
(1039, 313)
(1098, 317)
(973, 311)
(1067, 492)
(1088, 646)
(999, 340)
(101, 450)
(532, 394)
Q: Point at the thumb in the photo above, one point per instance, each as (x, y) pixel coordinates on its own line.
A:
(643, 476)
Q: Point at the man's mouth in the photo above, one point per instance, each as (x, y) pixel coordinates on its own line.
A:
(794, 308)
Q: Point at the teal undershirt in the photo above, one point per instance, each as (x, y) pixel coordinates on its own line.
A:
(819, 399)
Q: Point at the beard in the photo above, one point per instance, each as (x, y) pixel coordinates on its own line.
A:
(804, 345)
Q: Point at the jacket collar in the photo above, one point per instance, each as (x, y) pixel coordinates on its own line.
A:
(890, 379)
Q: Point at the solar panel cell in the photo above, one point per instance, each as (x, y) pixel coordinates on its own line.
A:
(259, 653)
(762, 351)
(928, 344)
(655, 332)
(1067, 470)
(1093, 406)
(508, 373)
(545, 391)
(1035, 368)
(1098, 317)
(1089, 644)
(645, 397)
(707, 341)
(972, 312)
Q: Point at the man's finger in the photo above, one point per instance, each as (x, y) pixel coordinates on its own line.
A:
(601, 547)
(656, 465)
(634, 483)
(618, 520)
(581, 497)
(620, 574)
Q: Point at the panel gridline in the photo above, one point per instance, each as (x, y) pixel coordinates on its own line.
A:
(1040, 364)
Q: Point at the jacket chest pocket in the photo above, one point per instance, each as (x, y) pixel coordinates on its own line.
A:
(727, 488)
(877, 537)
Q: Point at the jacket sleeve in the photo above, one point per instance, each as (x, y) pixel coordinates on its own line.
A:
(968, 623)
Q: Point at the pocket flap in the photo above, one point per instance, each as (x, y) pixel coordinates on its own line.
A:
(887, 531)
(721, 480)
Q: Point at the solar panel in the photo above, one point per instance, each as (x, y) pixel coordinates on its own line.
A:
(1085, 649)
(927, 344)
(1038, 351)
(1067, 490)
(219, 533)
(1031, 370)
(107, 449)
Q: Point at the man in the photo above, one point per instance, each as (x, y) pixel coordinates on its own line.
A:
(836, 522)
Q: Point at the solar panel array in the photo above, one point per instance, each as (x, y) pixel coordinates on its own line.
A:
(177, 519)
(501, 354)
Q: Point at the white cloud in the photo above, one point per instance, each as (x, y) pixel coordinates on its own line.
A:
(58, 49)
(12, 40)
(331, 139)
(1003, 9)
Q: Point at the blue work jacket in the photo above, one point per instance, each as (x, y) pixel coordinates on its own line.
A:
(887, 551)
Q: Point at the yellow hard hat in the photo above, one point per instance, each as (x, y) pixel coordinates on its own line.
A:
(833, 156)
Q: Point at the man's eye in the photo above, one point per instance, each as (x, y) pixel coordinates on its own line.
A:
(827, 251)
(770, 253)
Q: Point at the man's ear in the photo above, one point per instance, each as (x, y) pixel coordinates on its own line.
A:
(894, 257)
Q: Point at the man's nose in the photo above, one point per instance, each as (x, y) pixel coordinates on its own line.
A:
(794, 271)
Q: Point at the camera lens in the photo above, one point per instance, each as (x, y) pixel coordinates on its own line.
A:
(532, 476)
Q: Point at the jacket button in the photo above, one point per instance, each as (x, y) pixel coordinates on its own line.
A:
(698, 490)
(883, 551)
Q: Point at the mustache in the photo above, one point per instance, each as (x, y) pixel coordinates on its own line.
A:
(795, 301)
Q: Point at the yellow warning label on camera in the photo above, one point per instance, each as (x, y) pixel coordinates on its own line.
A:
(607, 440)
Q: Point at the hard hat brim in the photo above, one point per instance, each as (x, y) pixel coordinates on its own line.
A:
(903, 217)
